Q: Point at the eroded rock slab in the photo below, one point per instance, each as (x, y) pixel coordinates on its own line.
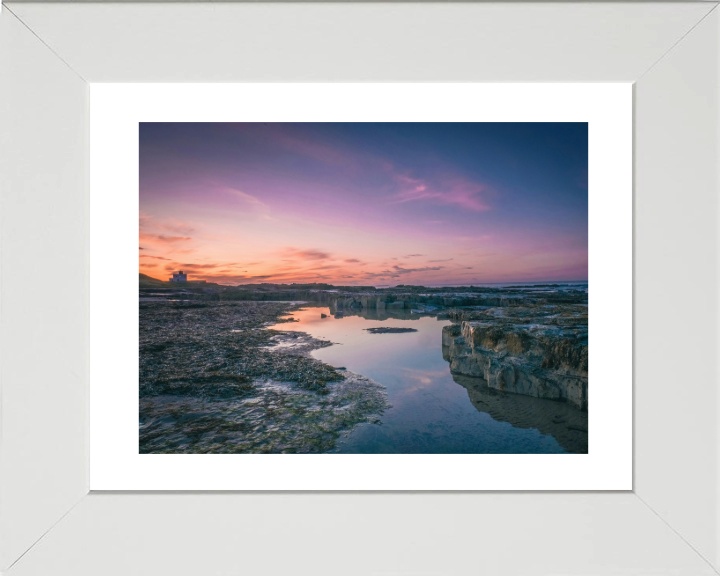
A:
(539, 351)
(389, 330)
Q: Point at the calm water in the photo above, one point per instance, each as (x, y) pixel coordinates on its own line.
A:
(430, 412)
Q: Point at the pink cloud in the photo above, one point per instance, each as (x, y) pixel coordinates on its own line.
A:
(458, 191)
(244, 197)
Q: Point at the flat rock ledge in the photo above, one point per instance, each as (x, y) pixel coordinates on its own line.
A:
(389, 330)
(544, 357)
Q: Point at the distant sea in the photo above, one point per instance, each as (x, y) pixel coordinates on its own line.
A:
(577, 285)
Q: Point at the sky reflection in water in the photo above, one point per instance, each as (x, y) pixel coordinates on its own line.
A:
(430, 412)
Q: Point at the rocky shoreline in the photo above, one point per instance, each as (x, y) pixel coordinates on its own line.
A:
(509, 344)
(539, 351)
(526, 340)
(504, 344)
(215, 379)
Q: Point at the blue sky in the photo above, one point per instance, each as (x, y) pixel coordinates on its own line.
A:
(365, 203)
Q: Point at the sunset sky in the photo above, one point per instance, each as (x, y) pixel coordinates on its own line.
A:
(370, 204)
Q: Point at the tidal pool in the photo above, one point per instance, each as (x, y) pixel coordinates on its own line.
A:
(431, 413)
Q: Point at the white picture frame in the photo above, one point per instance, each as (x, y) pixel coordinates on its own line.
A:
(50, 523)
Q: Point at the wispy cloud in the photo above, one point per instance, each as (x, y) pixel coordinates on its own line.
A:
(247, 199)
(310, 254)
(163, 238)
(372, 275)
(457, 191)
(399, 270)
(203, 266)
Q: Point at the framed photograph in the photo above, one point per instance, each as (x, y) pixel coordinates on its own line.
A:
(431, 325)
(367, 265)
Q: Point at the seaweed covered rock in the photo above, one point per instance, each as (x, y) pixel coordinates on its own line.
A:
(215, 379)
(217, 350)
